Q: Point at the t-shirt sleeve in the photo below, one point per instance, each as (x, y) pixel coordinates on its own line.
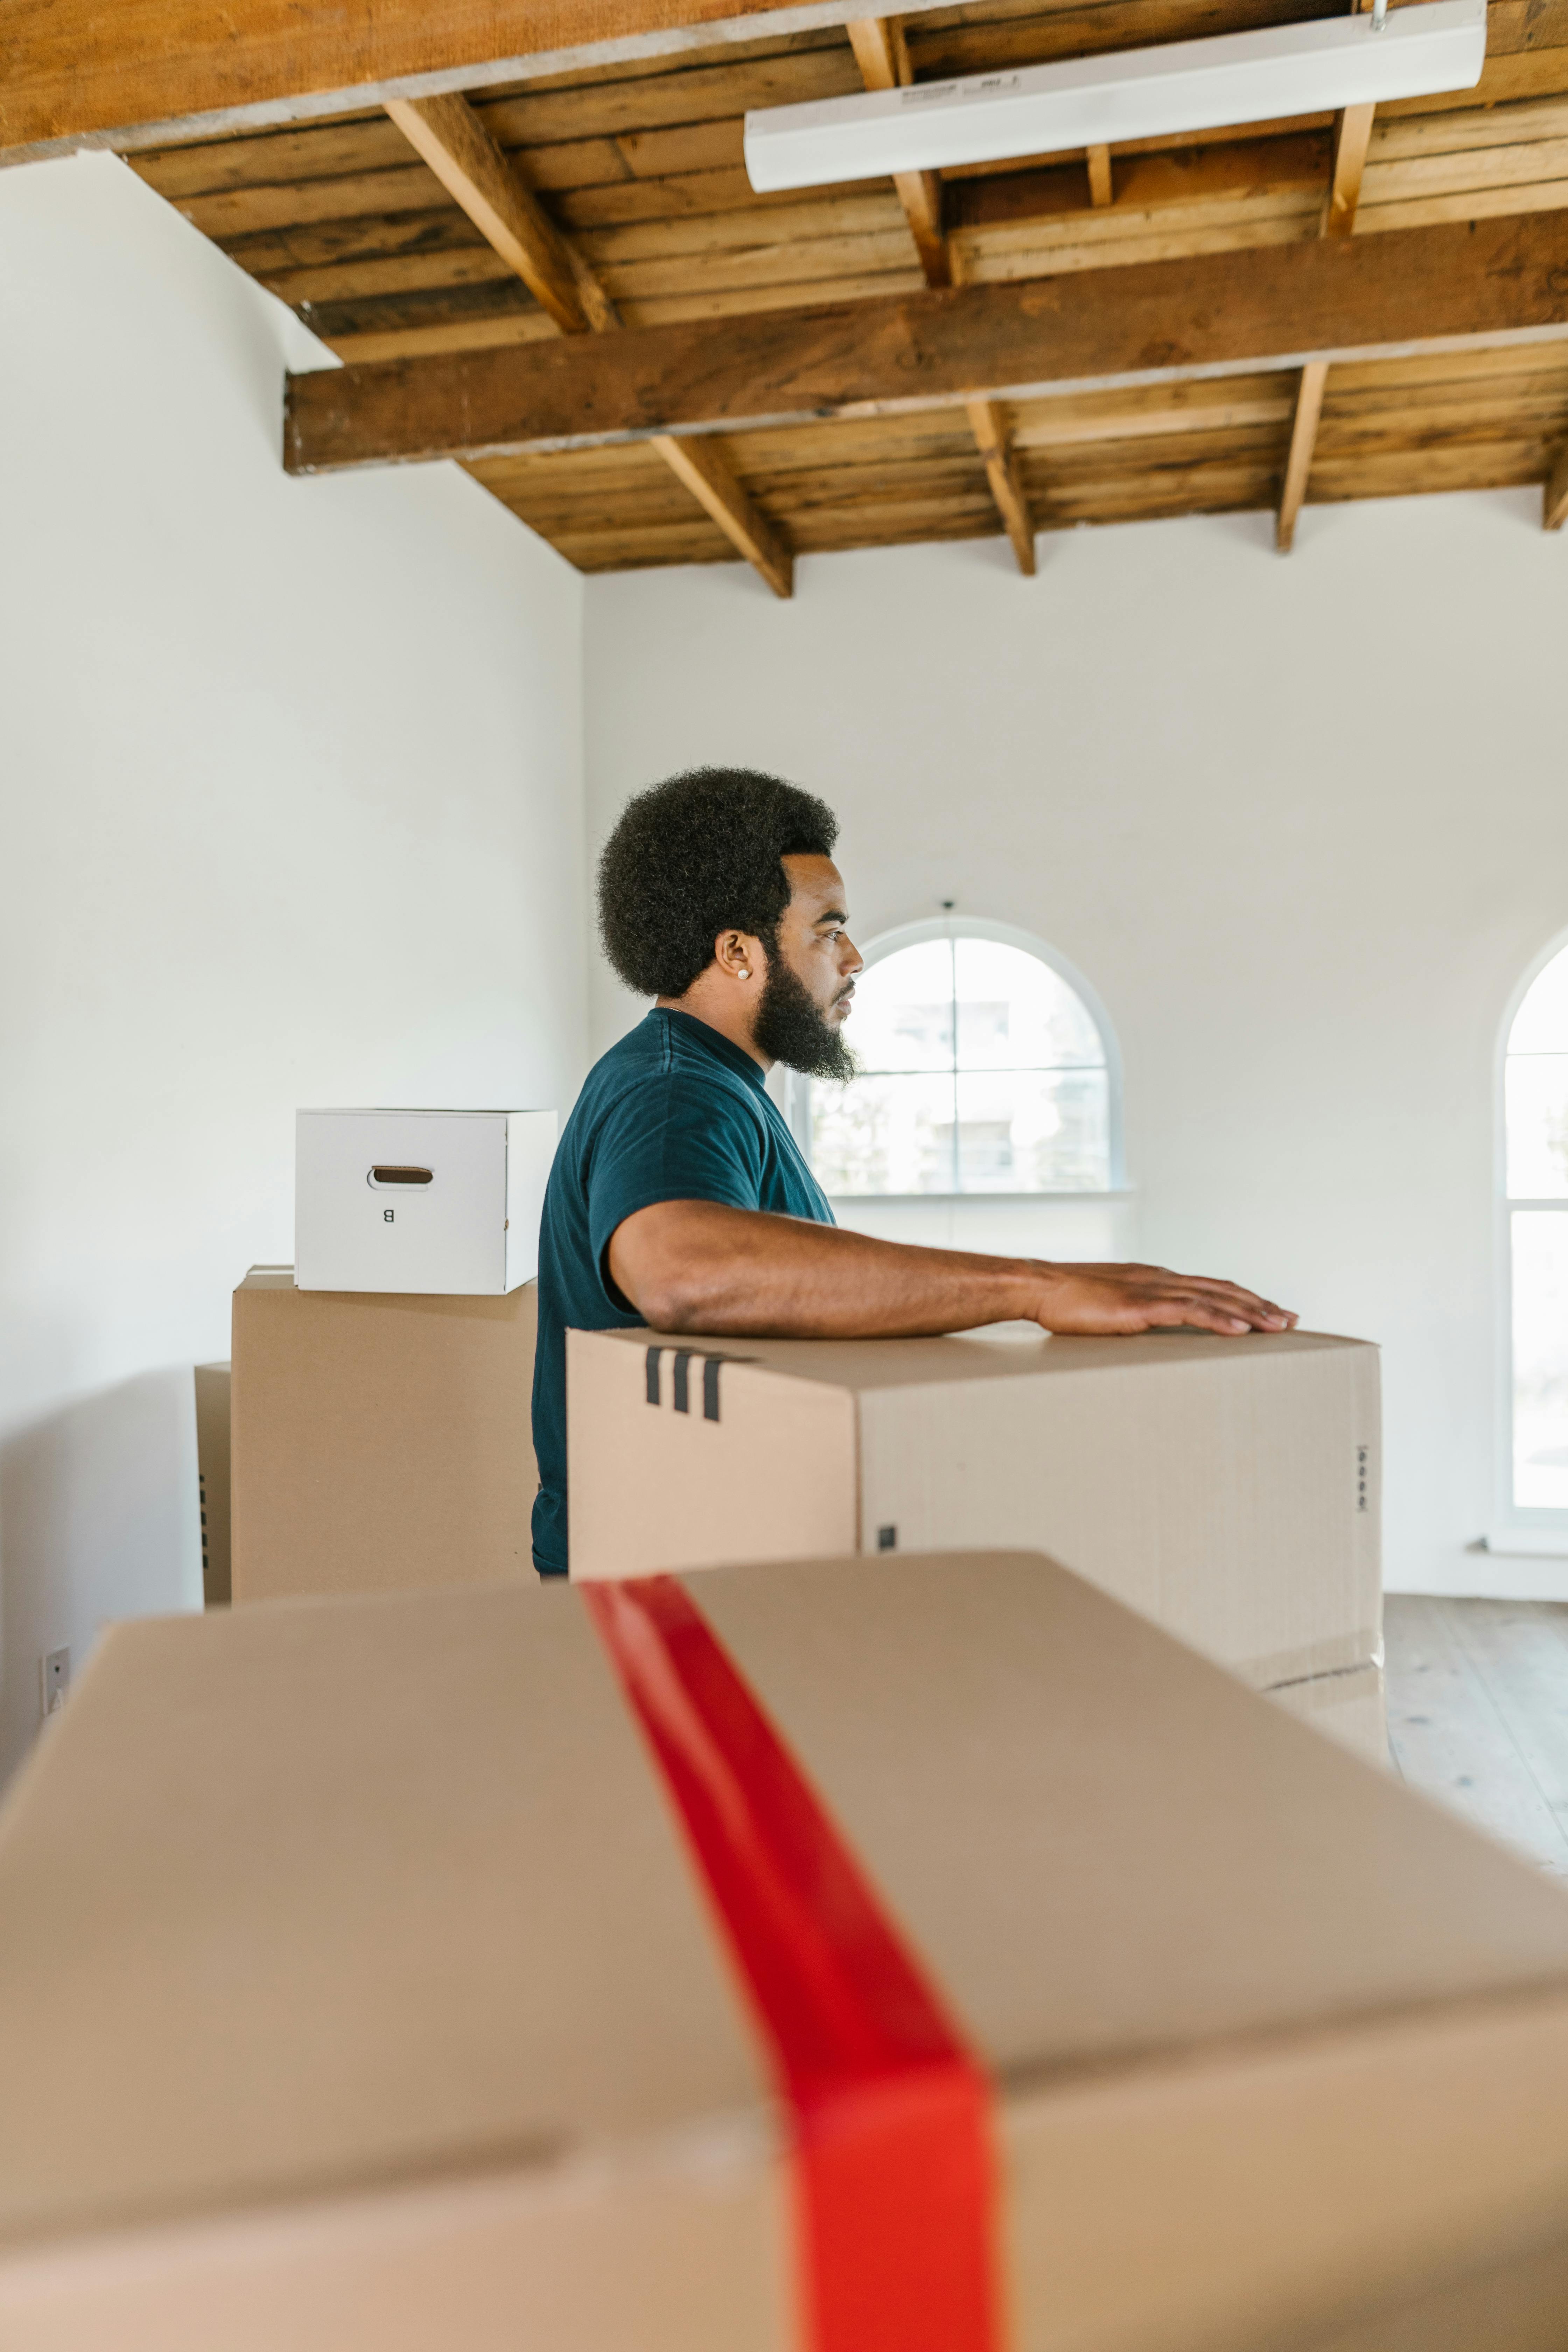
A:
(673, 1138)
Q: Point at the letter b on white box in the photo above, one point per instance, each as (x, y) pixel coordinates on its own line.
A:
(443, 1201)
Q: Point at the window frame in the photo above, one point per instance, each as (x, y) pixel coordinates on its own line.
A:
(1524, 1530)
(797, 1103)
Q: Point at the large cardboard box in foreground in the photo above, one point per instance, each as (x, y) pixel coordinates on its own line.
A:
(1228, 1488)
(379, 1442)
(361, 1989)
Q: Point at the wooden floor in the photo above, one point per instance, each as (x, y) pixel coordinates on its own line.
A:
(1478, 1714)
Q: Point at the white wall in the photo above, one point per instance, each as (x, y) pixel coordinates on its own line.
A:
(1301, 822)
(291, 812)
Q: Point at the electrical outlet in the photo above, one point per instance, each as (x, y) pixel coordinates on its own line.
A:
(54, 1681)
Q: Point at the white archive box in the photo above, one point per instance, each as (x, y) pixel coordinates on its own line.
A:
(445, 1201)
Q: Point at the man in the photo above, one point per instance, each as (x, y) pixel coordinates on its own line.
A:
(679, 1198)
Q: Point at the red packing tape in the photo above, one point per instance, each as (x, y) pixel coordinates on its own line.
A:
(890, 2115)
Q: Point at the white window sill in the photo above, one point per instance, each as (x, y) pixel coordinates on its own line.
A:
(1525, 1543)
(975, 1200)
(1056, 1226)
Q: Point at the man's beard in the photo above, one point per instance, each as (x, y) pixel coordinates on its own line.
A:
(790, 1027)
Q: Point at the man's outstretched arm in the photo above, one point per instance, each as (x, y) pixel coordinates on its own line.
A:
(697, 1265)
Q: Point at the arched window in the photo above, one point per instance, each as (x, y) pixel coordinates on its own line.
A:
(1535, 1125)
(986, 1067)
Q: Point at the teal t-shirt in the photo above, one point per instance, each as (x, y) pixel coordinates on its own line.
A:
(674, 1112)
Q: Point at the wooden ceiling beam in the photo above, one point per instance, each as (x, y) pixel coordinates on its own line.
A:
(1100, 189)
(477, 173)
(1488, 283)
(1555, 504)
(882, 55)
(1303, 440)
(146, 73)
(989, 427)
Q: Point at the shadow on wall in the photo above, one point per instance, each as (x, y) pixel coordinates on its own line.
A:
(98, 1519)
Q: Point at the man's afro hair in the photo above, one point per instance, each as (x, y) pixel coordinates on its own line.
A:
(696, 856)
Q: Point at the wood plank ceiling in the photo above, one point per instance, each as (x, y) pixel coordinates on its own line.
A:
(617, 199)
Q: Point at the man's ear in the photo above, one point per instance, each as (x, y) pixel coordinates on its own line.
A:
(738, 957)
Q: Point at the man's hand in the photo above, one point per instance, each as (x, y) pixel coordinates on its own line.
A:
(1110, 1298)
(696, 1265)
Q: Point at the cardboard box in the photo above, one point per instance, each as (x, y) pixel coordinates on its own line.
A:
(212, 1387)
(362, 1992)
(431, 1201)
(379, 1443)
(1228, 1488)
(1351, 1708)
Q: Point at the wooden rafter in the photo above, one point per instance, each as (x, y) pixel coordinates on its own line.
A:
(480, 176)
(1555, 505)
(1489, 282)
(1353, 136)
(1303, 440)
(1100, 189)
(882, 55)
(990, 429)
(713, 482)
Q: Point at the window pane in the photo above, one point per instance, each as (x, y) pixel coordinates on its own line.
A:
(1541, 1024)
(1536, 1087)
(1016, 1012)
(883, 1135)
(902, 1018)
(1541, 1359)
(1033, 1131)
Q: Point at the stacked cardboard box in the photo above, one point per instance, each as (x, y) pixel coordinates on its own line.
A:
(363, 1983)
(214, 1388)
(1227, 1489)
(380, 1441)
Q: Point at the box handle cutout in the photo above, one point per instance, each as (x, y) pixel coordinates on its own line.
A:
(379, 1176)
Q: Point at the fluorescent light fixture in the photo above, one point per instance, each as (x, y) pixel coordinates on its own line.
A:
(1287, 69)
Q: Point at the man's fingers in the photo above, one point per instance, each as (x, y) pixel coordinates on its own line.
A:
(1245, 1302)
(1143, 1298)
(1201, 1314)
(1262, 1312)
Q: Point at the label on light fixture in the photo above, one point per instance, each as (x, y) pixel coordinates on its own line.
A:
(920, 91)
(1184, 86)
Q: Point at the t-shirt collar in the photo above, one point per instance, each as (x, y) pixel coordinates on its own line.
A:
(733, 1056)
